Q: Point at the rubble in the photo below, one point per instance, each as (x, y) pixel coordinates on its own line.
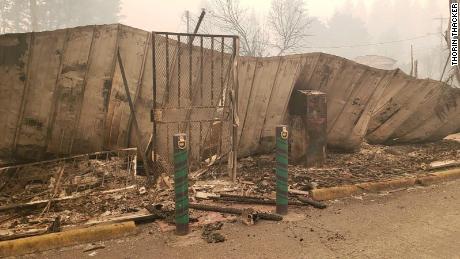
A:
(92, 247)
(97, 189)
(247, 217)
(256, 215)
(441, 164)
(142, 190)
(58, 194)
(371, 163)
(210, 233)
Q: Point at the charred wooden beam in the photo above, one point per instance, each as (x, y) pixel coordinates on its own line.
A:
(235, 211)
(316, 204)
(302, 201)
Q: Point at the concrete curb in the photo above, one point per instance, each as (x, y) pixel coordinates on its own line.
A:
(349, 190)
(67, 238)
(439, 177)
(387, 185)
(334, 192)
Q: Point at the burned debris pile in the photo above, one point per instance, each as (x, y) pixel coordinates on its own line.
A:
(85, 190)
(371, 163)
(73, 191)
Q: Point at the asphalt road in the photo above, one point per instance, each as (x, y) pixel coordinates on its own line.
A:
(414, 223)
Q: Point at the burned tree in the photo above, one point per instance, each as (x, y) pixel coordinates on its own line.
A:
(287, 28)
(289, 22)
(230, 17)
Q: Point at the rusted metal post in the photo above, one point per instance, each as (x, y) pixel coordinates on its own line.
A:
(197, 27)
(179, 72)
(308, 121)
(153, 139)
(282, 136)
(235, 123)
(181, 183)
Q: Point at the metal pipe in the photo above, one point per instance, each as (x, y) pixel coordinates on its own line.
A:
(147, 160)
(282, 169)
(181, 183)
(235, 122)
(196, 34)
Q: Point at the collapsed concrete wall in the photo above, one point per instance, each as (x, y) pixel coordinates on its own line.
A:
(414, 110)
(266, 85)
(61, 93)
(382, 106)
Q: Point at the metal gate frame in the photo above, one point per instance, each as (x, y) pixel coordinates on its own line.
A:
(228, 94)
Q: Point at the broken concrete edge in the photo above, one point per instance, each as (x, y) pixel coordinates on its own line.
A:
(338, 192)
(67, 238)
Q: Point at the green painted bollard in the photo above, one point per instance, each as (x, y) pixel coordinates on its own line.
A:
(181, 183)
(282, 136)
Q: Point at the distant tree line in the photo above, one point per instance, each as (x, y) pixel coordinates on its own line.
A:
(39, 15)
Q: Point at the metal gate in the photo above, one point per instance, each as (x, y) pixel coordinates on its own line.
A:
(194, 92)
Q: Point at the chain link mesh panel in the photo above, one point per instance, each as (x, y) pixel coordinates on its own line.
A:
(193, 79)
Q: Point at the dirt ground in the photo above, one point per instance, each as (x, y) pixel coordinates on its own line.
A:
(414, 223)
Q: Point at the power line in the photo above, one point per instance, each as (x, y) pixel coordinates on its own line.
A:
(372, 44)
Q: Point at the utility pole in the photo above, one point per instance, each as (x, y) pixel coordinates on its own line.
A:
(441, 27)
(187, 16)
(411, 60)
(33, 14)
(441, 44)
(2, 19)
